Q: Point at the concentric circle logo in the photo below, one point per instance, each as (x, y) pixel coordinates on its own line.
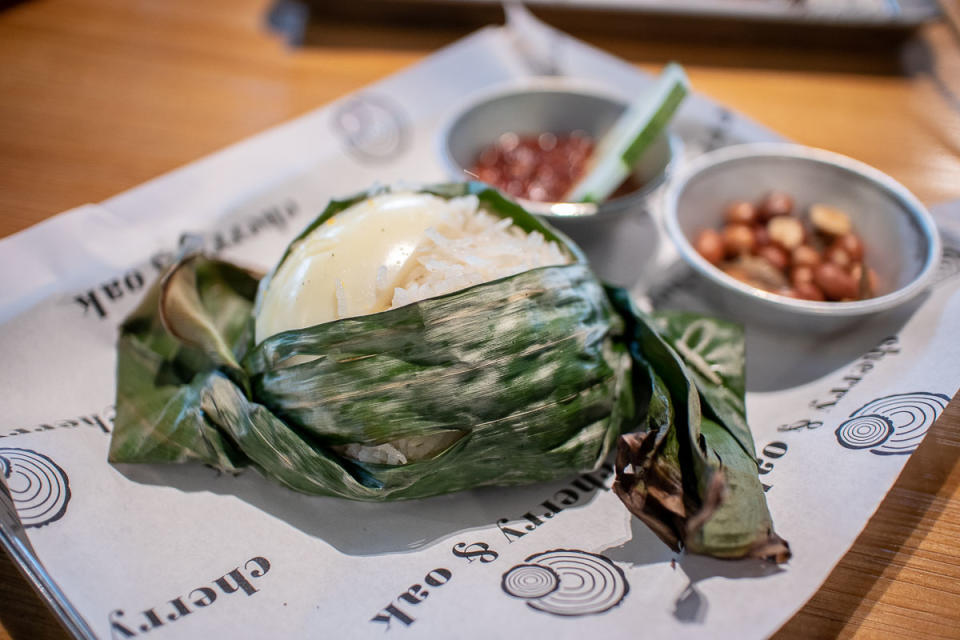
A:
(530, 581)
(865, 432)
(892, 425)
(39, 487)
(949, 265)
(373, 128)
(567, 582)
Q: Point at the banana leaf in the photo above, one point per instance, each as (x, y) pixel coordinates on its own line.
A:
(528, 372)
(690, 472)
(532, 377)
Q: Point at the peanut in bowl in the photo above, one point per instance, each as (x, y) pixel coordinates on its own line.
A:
(752, 275)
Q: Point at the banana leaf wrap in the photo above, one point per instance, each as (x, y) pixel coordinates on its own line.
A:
(689, 470)
(537, 375)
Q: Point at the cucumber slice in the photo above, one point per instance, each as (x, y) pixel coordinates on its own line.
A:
(621, 147)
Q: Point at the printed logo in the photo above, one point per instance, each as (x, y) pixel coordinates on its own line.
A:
(39, 487)
(949, 266)
(892, 425)
(719, 132)
(567, 582)
(373, 129)
(239, 579)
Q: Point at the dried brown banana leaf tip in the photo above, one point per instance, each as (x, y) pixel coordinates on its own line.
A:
(773, 549)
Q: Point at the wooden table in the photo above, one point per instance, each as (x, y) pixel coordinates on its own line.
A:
(97, 96)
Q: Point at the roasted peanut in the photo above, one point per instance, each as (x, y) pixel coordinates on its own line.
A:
(835, 283)
(775, 203)
(765, 245)
(808, 291)
(852, 244)
(736, 272)
(709, 244)
(830, 220)
(786, 232)
(805, 256)
(866, 280)
(838, 256)
(738, 239)
(760, 273)
(802, 273)
(740, 212)
(761, 235)
(774, 255)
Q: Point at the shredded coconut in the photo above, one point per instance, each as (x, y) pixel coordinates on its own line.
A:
(341, 294)
(469, 246)
(402, 450)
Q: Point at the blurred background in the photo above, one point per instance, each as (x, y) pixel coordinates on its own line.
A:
(97, 96)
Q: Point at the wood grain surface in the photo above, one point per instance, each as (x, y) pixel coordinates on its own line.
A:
(97, 96)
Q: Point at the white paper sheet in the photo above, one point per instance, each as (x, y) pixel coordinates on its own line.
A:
(180, 551)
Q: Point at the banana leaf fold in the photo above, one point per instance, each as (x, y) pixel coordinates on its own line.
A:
(530, 377)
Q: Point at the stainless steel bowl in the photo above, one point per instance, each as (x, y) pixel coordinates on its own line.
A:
(556, 105)
(901, 239)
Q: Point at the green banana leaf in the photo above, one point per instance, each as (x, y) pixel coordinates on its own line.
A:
(690, 472)
(534, 377)
(713, 350)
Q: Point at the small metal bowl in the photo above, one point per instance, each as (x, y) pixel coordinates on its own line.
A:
(555, 105)
(901, 240)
